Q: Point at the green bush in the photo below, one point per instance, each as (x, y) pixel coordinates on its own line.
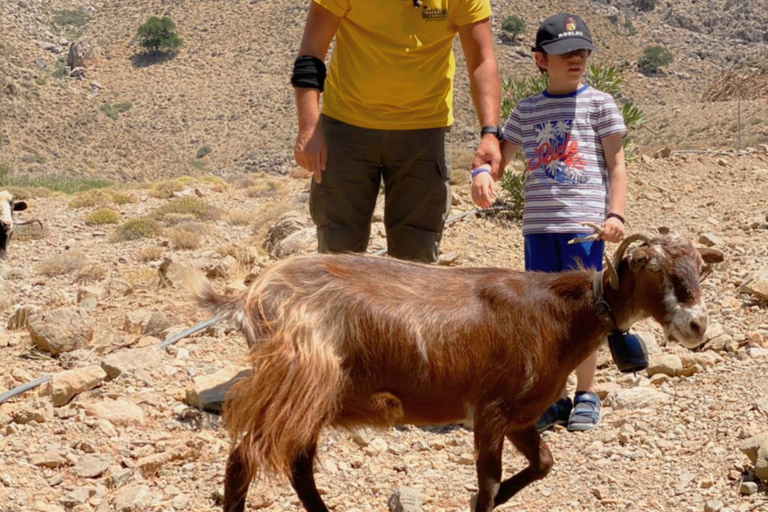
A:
(204, 150)
(646, 5)
(654, 58)
(114, 111)
(73, 18)
(135, 229)
(513, 25)
(513, 183)
(159, 34)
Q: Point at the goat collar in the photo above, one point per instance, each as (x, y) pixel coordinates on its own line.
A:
(600, 306)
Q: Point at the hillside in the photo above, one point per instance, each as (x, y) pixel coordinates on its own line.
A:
(228, 87)
(120, 427)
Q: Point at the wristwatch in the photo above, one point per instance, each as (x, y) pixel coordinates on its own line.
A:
(496, 130)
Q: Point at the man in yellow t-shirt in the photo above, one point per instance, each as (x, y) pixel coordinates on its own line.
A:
(387, 105)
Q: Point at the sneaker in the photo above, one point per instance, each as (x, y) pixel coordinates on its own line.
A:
(586, 412)
(557, 414)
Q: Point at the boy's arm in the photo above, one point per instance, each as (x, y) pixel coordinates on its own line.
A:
(613, 151)
(483, 188)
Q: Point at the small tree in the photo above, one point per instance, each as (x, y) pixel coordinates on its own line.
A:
(513, 25)
(653, 59)
(159, 34)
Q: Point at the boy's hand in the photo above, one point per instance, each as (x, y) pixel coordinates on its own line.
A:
(613, 230)
(484, 190)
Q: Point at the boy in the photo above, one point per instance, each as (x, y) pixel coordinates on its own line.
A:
(571, 135)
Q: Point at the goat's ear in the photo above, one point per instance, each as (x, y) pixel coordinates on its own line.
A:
(19, 206)
(639, 258)
(711, 255)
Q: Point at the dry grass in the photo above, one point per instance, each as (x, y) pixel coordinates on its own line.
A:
(92, 272)
(101, 216)
(141, 277)
(29, 192)
(91, 198)
(186, 236)
(146, 254)
(240, 218)
(66, 263)
(265, 218)
(166, 189)
(268, 188)
(244, 260)
(188, 205)
(135, 229)
(241, 181)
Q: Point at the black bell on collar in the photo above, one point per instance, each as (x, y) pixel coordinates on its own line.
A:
(628, 351)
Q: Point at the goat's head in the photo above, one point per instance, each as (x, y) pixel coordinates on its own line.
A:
(664, 274)
(8, 205)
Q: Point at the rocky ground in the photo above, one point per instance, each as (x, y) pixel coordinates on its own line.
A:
(116, 431)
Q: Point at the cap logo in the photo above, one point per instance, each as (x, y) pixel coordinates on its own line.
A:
(570, 25)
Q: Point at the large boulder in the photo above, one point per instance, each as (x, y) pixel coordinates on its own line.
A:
(82, 54)
(61, 330)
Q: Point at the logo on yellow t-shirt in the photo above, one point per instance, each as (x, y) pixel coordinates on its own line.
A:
(438, 14)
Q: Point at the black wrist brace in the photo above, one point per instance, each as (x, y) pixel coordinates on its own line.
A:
(308, 72)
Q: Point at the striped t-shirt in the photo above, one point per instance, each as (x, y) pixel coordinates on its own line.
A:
(567, 178)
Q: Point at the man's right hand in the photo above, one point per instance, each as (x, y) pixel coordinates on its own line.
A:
(310, 152)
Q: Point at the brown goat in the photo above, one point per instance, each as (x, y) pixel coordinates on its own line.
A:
(352, 340)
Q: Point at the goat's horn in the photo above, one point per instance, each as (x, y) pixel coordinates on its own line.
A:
(613, 275)
(619, 255)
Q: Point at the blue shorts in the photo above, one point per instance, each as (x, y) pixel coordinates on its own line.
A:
(550, 252)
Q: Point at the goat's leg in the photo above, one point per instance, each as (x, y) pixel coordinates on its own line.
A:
(303, 480)
(530, 444)
(488, 446)
(235, 486)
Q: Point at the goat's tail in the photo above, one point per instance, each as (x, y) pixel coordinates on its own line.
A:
(277, 413)
(229, 307)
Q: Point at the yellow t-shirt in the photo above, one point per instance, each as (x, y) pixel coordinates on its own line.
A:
(393, 65)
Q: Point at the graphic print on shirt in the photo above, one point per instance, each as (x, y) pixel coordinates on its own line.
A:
(556, 154)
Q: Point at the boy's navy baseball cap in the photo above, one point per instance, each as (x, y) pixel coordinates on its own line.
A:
(563, 33)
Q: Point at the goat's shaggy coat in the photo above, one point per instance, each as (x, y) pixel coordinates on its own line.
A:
(350, 340)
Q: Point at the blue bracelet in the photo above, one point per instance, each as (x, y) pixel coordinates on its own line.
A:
(477, 171)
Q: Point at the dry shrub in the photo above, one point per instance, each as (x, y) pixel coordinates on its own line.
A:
(241, 181)
(240, 218)
(65, 263)
(120, 199)
(166, 189)
(188, 205)
(91, 272)
(186, 236)
(141, 277)
(101, 216)
(91, 198)
(266, 217)
(146, 254)
(136, 228)
(29, 192)
(269, 188)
